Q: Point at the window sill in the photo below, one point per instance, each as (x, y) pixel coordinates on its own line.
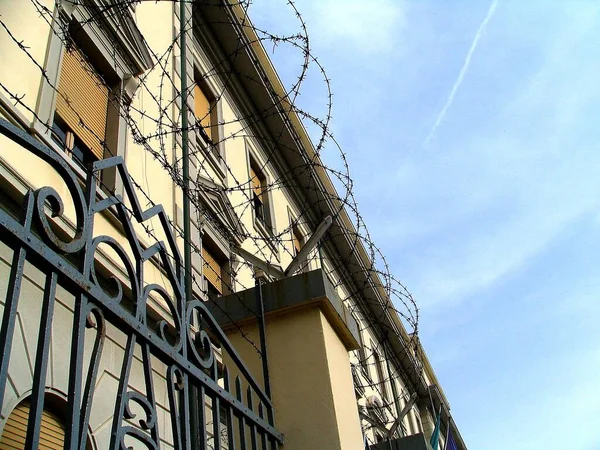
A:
(267, 235)
(208, 151)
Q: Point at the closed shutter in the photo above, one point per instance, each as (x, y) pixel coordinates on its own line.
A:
(296, 241)
(82, 93)
(212, 270)
(52, 432)
(202, 110)
(256, 183)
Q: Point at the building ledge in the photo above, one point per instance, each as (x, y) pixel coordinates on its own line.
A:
(412, 442)
(305, 290)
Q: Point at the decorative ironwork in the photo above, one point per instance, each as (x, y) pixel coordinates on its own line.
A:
(192, 374)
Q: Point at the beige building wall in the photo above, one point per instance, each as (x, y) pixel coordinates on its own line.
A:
(311, 382)
(239, 145)
(20, 374)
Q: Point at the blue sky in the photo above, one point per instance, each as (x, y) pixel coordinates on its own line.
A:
(471, 129)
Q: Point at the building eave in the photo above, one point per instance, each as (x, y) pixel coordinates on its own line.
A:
(230, 24)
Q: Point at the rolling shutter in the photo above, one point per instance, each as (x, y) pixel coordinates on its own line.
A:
(202, 110)
(52, 433)
(82, 92)
(212, 270)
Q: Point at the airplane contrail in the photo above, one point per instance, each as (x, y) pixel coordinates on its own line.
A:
(463, 71)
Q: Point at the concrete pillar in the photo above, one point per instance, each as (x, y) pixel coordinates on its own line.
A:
(309, 334)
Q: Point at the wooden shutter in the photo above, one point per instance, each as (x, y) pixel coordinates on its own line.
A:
(82, 92)
(202, 110)
(52, 432)
(212, 270)
(296, 241)
(256, 182)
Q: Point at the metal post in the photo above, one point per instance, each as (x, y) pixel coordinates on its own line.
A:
(187, 247)
(187, 234)
(260, 312)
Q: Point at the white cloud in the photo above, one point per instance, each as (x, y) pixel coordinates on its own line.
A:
(356, 25)
(347, 25)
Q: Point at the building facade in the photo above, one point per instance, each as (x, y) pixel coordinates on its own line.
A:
(288, 336)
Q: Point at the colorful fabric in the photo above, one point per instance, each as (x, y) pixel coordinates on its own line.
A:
(451, 445)
(435, 437)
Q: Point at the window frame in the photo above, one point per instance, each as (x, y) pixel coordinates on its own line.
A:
(55, 403)
(267, 227)
(295, 226)
(109, 122)
(212, 149)
(260, 201)
(297, 236)
(216, 245)
(209, 253)
(380, 370)
(115, 67)
(212, 113)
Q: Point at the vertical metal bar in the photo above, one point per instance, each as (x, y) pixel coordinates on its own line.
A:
(10, 315)
(216, 410)
(242, 425)
(147, 365)
(187, 247)
(74, 387)
(76, 374)
(261, 414)
(92, 321)
(32, 439)
(216, 404)
(120, 404)
(260, 307)
(185, 405)
(230, 437)
(174, 386)
(187, 234)
(253, 439)
(201, 414)
(12, 297)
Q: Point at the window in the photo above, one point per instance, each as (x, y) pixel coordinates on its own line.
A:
(296, 240)
(52, 432)
(52, 427)
(260, 197)
(381, 375)
(82, 102)
(205, 110)
(362, 356)
(297, 244)
(214, 273)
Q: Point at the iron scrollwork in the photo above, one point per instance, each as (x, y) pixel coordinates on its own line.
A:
(192, 375)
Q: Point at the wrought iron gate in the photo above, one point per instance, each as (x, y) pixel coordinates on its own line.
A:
(172, 353)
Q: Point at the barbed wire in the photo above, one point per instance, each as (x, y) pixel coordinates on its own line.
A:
(152, 113)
